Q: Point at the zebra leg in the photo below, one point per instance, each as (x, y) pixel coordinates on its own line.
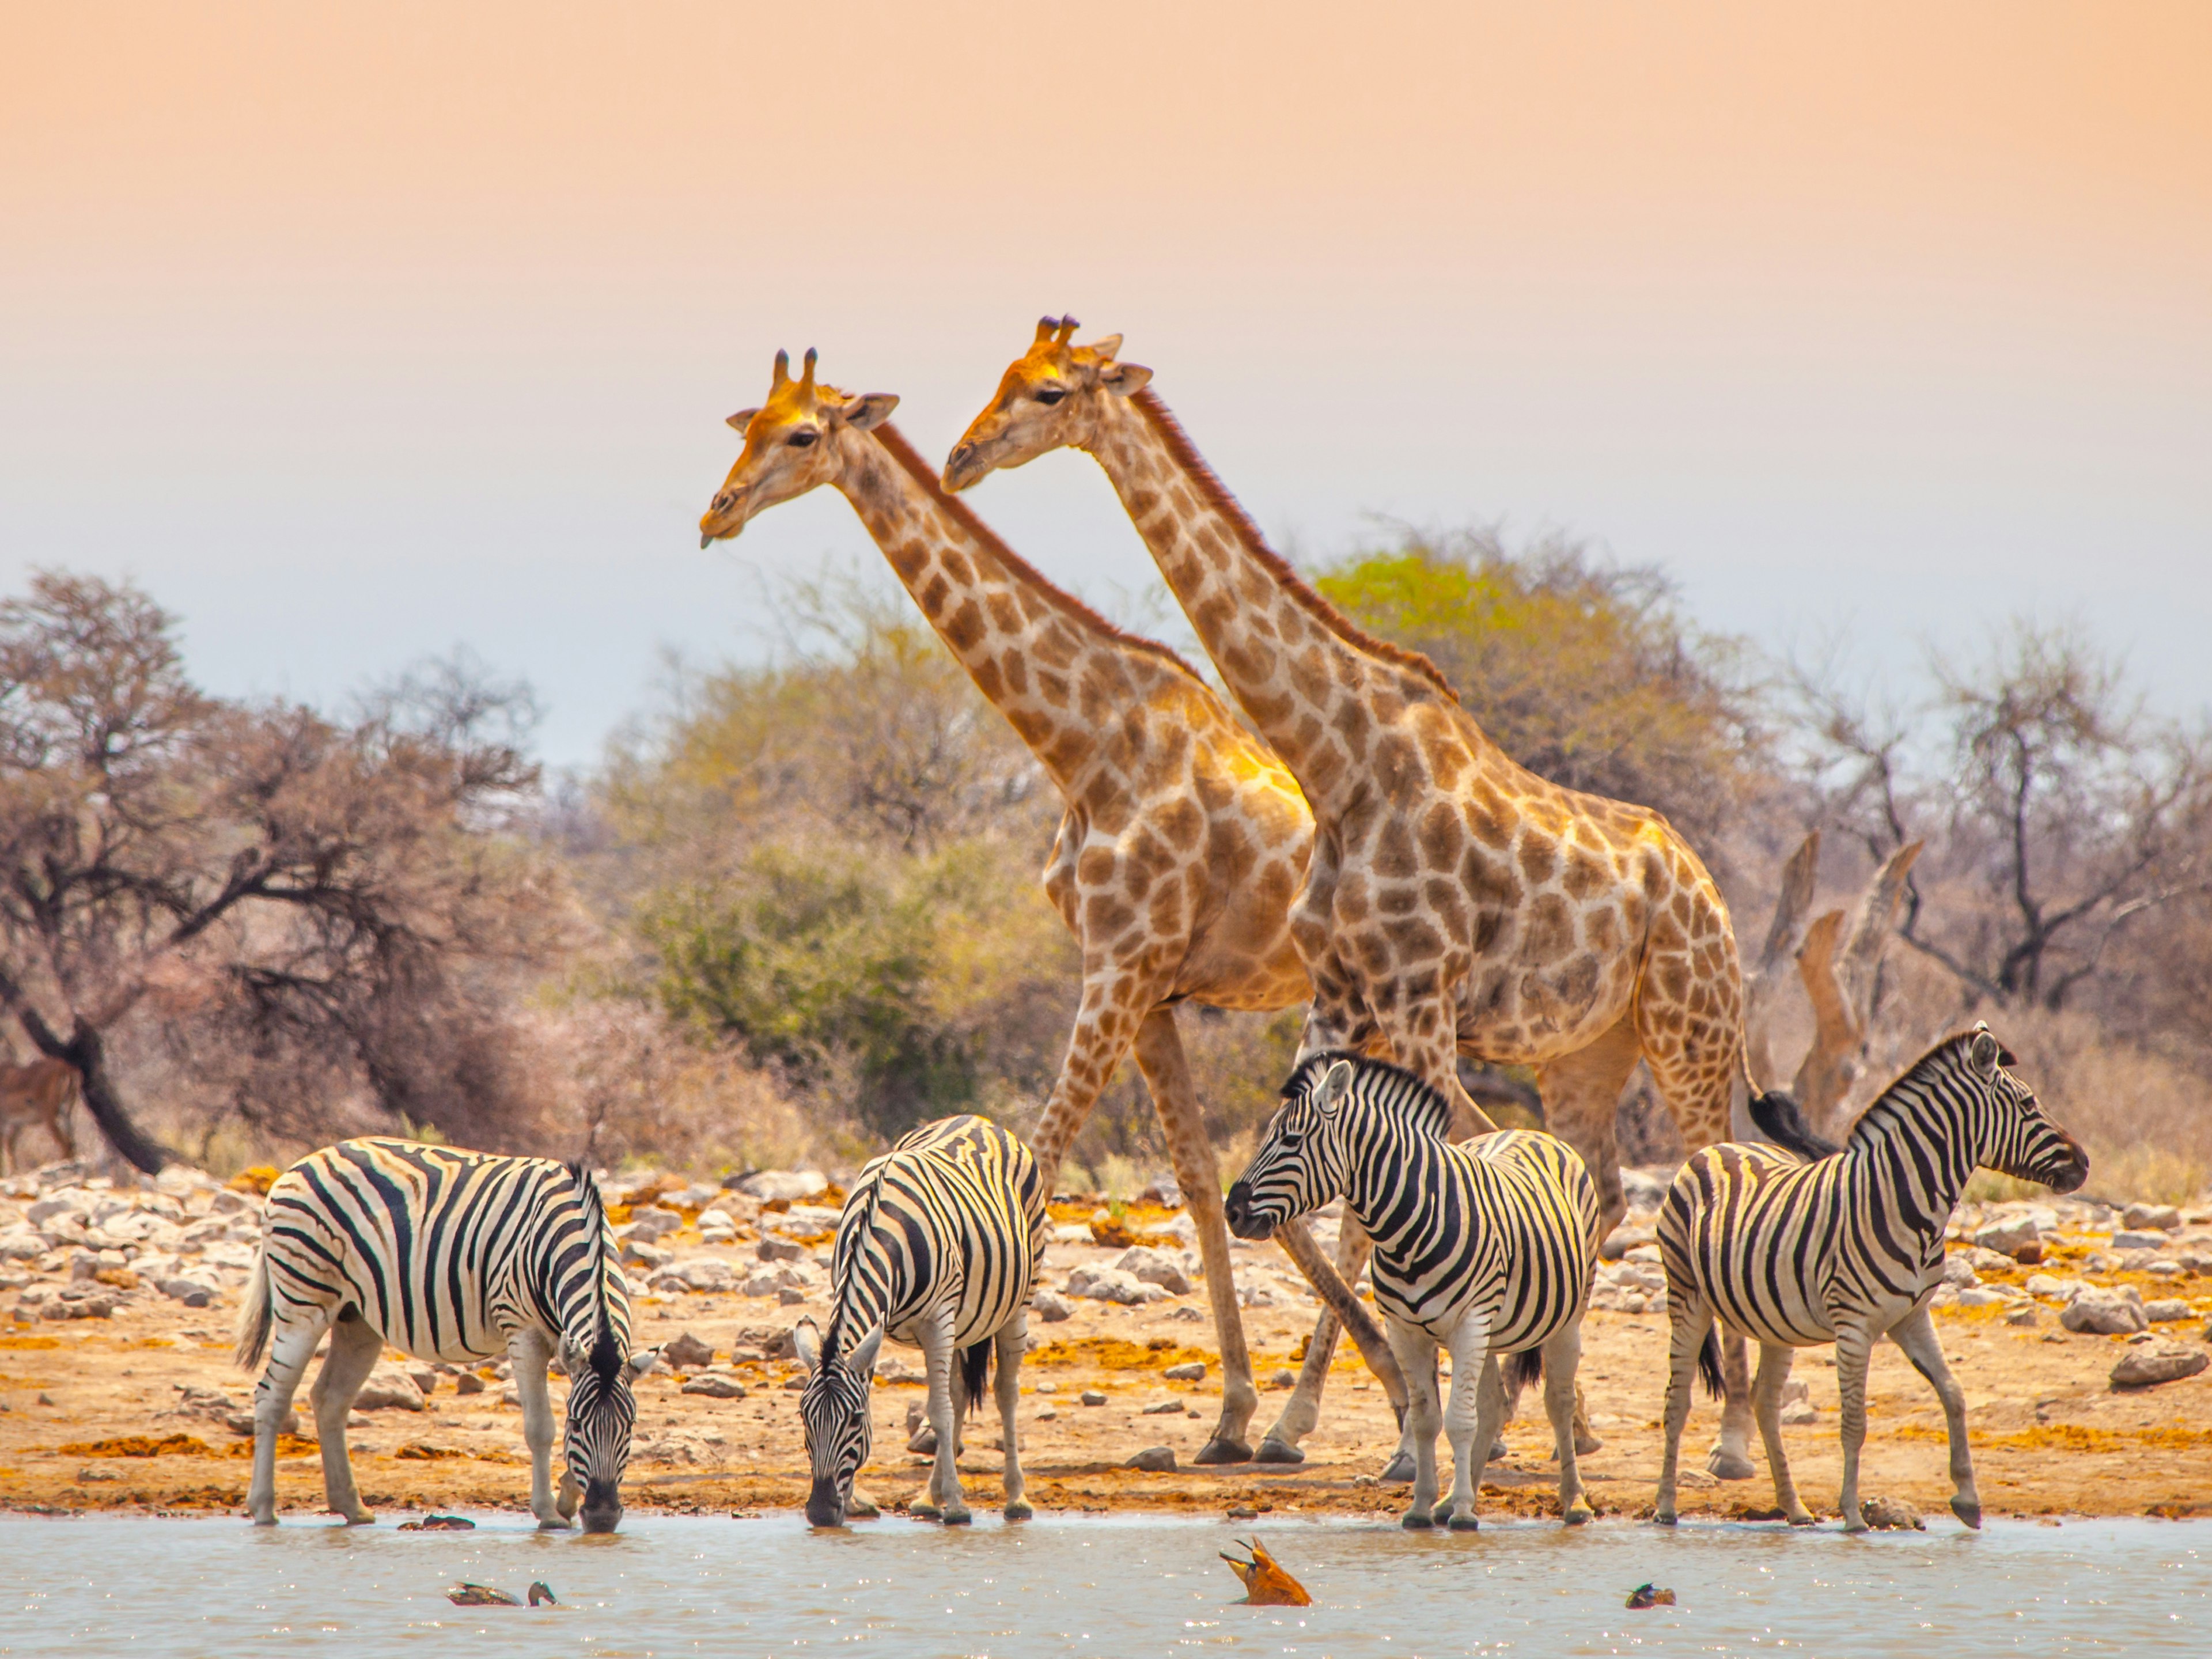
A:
(356, 1346)
(530, 1350)
(1916, 1335)
(1416, 1352)
(1478, 1407)
(290, 1352)
(1853, 1343)
(1774, 1360)
(1563, 1404)
(1010, 1342)
(1160, 1057)
(946, 1502)
(1690, 1324)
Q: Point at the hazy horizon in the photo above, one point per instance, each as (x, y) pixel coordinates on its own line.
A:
(357, 334)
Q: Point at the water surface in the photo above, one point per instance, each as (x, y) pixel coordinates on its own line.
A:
(1139, 1585)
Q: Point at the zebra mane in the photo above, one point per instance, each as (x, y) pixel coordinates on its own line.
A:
(1378, 1083)
(1945, 1049)
(605, 1361)
(832, 1337)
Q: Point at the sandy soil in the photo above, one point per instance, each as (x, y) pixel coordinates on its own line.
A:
(93, 1414)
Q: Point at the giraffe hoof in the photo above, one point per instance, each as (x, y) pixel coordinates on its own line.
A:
(925, 1511)
(1587, 1442)
(1725, 1465)
(1221, 1450)
(1579, 1514)
(1464, 1524)
(958, 1515)
(1017, 1510)
(1969, 1513)
(1278, 1451)
(1663, 1518)
(1417, 1520)
(1398, 1471)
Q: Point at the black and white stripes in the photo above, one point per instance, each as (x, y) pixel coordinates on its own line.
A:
(449, 1255)
(1486, 1247)
(938, 1246)
(1847, 1247)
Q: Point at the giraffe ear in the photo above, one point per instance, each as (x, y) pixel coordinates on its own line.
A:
(742, 419)
(869, 410)
(1123, 379)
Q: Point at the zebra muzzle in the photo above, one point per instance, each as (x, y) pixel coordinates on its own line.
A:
(825, 1505)
(1244, 1220)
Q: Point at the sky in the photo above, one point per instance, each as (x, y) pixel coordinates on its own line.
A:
(358, 332)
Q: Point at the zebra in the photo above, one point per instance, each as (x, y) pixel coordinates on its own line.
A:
(1845, 1247)
(938, 1246)
(1486, 1248)
(452, 1256)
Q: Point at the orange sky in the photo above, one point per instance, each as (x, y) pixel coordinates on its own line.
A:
(358, 331)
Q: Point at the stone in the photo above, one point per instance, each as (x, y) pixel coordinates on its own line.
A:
(644, 1254)
(2023, 1315)
(1801, 1412)
(1890, 1515)
(2165, 1267)
(2104, 1312)
(651, 1225)
(715, 1387)
(703, 1272)
(1051, 1306)
(468, 1382)
(388, 1388)
(1644, 1253)
(1980, 1297)
(1113, 1284)
(1151, 1266)
(1154, 1460)
(423, 1376)
(2151, 1218)
(1165, 1408)
(772, 1249)
(2007, 1235)
(1959, 1272)
(1188, 1315)
(790, 1296)
(1091, 1397)
(1193, 1372)
(2128, 1240)
(2049, 1284)
(23, 1244)
(2152, 1363)
(789, 1185)
(2166, 1310)
(1284, 1380)
(687, 1352)
(192, 1292)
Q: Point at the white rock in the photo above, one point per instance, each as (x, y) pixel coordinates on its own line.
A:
(2103, 1312)
(2151, 1218)
(790, 1185)
(2008, 1234)
(1051, 1306)
(2171, 1308)
(1976, 1296)
(1155, 1267)
(1113, 1284)
(650, 1225)
(1642, 1253)
(1959, 1272)
(2158, 1361)
(389, 1387)
(23, 1245)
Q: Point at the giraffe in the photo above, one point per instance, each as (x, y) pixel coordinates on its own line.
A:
(1183, 837)
(1455, 903)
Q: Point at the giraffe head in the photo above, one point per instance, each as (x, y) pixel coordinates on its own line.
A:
(793, 444)
(1049, 399)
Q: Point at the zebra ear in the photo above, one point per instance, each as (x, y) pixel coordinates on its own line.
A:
(806, 1343)
(643, 1362)
(1335, 1083)
(861, 1362)
(1984, 1051)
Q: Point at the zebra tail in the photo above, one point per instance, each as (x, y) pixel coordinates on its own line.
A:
(1781, 1121)
(975, 1372)
(1524, 1367)
(1709, 1363)
(257, 1316)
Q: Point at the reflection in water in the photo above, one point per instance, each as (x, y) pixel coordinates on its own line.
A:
(1140, 1584)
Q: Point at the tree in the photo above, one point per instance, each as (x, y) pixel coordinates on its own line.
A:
(314, 908)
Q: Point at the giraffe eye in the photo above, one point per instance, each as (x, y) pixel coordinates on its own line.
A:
(803, 437)
(1050, 396)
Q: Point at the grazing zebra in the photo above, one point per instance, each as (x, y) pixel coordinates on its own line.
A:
(1847, 1247)
(448, 1255)
(938, 1246)
(1486, 1247)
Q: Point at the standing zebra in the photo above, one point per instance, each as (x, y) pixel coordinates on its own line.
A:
(449, 1255)
(1486, 1247)
(1846, 1248)
(938, 1246)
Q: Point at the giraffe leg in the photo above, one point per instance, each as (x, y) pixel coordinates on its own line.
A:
(1114, 1002)
(1166, 1072)
(1916, 1335)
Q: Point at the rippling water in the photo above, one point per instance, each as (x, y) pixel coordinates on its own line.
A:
(1142, 1584)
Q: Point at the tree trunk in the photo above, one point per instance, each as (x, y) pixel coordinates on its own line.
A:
(86, 1051)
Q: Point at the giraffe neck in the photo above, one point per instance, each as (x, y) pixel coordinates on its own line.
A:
(1056, 669)
(1312, 682)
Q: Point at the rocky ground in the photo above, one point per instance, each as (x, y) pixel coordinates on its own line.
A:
(2077, 1332)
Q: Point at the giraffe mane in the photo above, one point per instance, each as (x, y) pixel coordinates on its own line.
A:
(1216, 494)
(894, 442)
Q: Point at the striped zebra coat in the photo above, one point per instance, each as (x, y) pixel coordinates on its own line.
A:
(1484, 1248)
(937, 1246)
(1847, 1247)
(450, 1255)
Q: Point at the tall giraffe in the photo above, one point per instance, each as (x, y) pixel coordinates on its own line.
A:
(1183, 838)
(1456, 902)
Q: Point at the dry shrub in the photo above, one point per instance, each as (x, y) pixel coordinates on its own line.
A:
(2145, 1119)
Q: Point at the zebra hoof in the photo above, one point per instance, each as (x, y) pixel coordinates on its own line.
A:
(958, 1515)
(1017, 1510)
(1969, 1513)
(1725, 1465)
(1278, 1451)
(1399, 1471)
(1220, 1450)
(1417, 1520)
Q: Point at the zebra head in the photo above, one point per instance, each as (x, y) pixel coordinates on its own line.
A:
(1301, 1165)
(834, 1411)
(2017, 1139)
(601, 1408)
